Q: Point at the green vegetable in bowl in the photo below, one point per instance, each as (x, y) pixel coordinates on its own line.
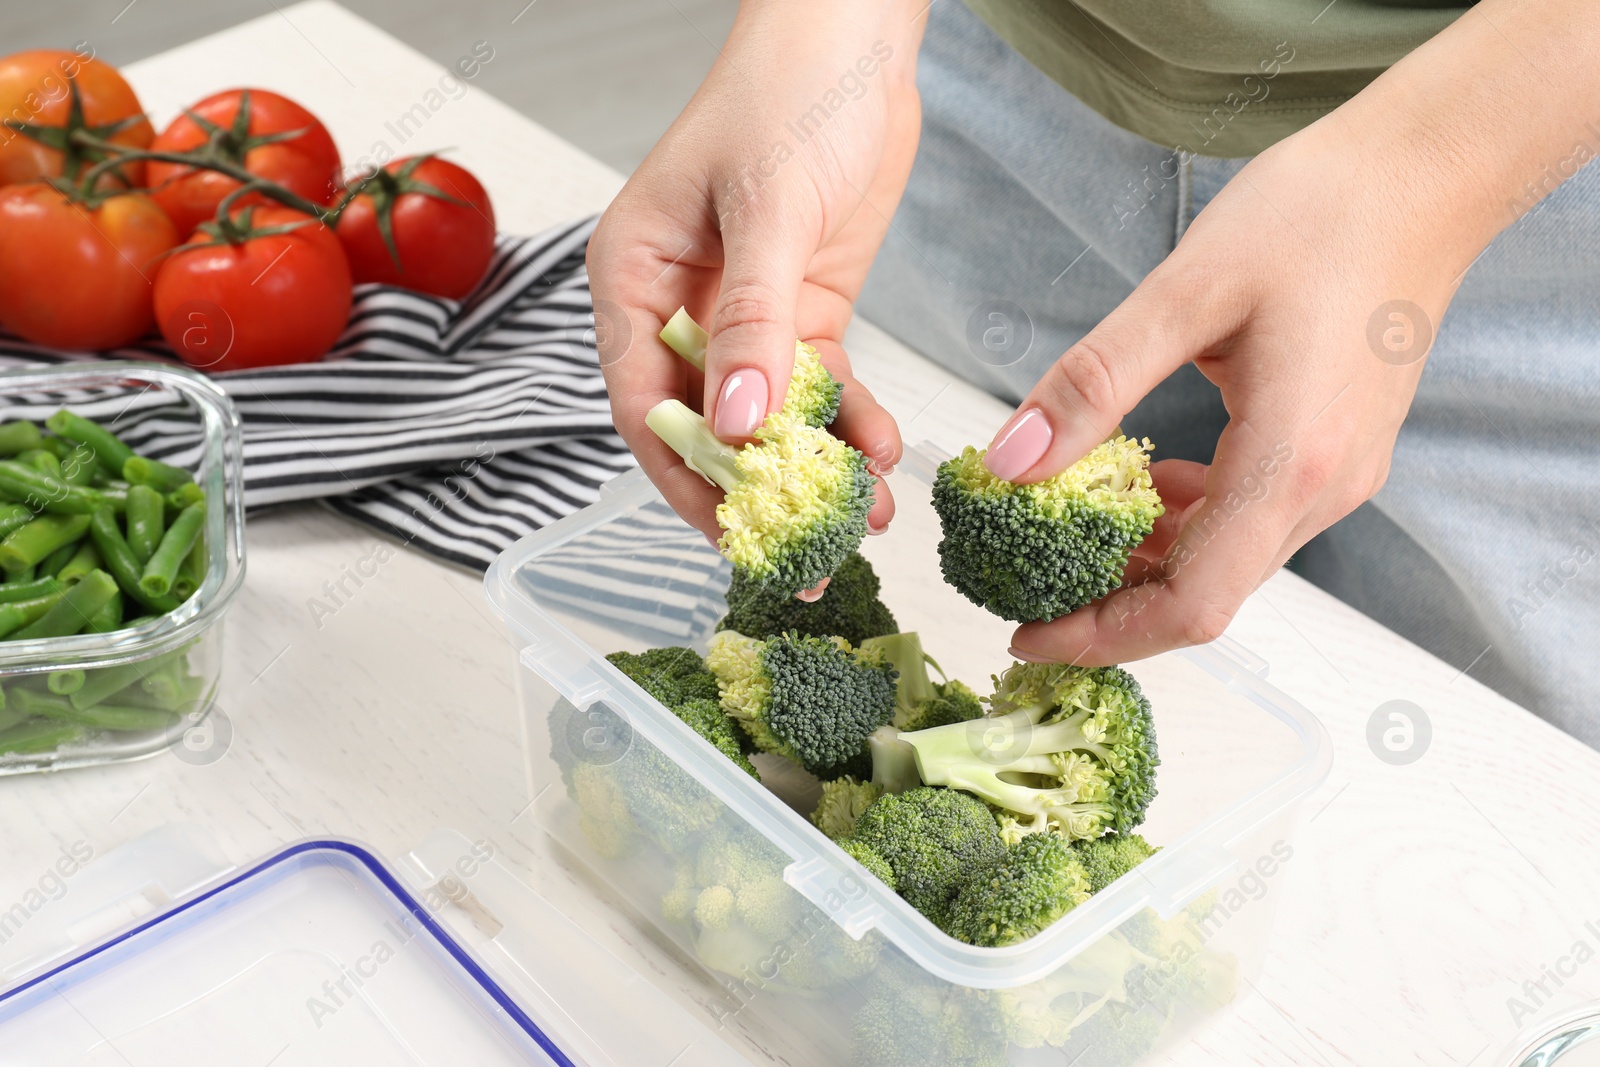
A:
(1032, 552)
(85, 551)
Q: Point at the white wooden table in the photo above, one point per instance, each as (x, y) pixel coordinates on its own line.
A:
(1419, 898)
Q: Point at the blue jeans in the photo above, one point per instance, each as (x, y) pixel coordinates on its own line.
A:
(1028, 218)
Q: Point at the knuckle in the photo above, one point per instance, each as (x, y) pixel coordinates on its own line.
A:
(1380, 477)
(1083, 379)
(1319, 468)
(1205, 623)
(745, 306)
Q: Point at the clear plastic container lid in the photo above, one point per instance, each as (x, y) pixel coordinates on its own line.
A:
(323, 953)
(317, 953)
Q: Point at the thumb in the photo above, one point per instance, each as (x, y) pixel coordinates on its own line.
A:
(751, 352)
(1084, 395)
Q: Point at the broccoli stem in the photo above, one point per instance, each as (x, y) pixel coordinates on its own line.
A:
(985, 761)
(684, 336)
(894, 763)
(687, 434)
(905, 655)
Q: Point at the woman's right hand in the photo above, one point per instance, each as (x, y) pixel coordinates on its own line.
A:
(760, 211)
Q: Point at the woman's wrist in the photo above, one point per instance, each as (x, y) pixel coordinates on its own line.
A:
(1473, 128)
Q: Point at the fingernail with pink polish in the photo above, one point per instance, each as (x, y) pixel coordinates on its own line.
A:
(814, 594)
(1028, 657)
(1021, 444)
(742, 404)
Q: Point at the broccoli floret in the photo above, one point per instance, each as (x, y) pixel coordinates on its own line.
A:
(622, 783)
(1039, 881)
(920, 702)
(914, 1021)
(1066, 749)
(706, 718)
(870, 858)
(849, 607)
(603, 812)
(796, 499)
(677, 903)
(811, 699)
(843, 801)
(1030, 552)
(934, 840)
(858, 766)
(1105, 859)
(672, 675)
(678, 678)
(753, 926)
(813, 393)
(1115, 1033)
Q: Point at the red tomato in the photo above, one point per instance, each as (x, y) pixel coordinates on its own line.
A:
(78, 276)
(35, 89)
(444, 246)
(307, 164)
(264, 299)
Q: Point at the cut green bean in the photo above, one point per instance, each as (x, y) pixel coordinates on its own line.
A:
(32, 544)
(14, 517)
(108, 447)
(141, 470)
(118, 559)
(146, 521)
(108, 618)
(19, 436)
(11, 593)
(79, 466)
(38, 735)
(22, 575)
(64, 682)
(84, 560)
(180, 537)
(73, 611)
(99, 716)
(58, 445)
(166, 683)
(9, 717)
(107, 682)
(192, 575)
(53, 563)
(185, 495)
(42, 460)
(43, 493)
(22, 613)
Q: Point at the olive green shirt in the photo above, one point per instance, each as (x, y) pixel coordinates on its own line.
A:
(1215, 77)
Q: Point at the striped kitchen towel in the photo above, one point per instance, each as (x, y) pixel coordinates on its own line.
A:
(455, 427)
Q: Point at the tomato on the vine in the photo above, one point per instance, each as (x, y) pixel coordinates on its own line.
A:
(268, 286)
(78, 274)
(45, 96)
(439, 219)
(269, 135)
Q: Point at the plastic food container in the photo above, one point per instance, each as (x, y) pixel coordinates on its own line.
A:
(832, 967)
(172, 661)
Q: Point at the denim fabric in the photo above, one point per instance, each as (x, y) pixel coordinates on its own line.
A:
(1028, 218)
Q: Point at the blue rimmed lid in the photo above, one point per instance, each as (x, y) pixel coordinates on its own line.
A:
(316, 954)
